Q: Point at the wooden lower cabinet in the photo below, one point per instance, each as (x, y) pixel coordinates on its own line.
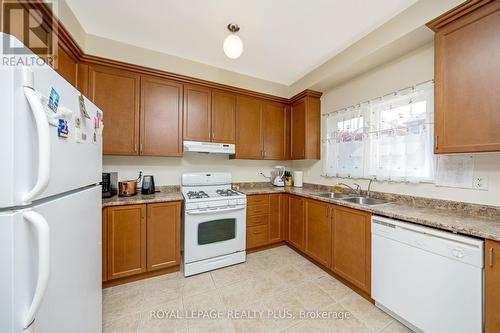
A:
(265, 220)
(318, 235)
(492, 287)
(163, 235)
(104, 251)
(126, 240)
(296, 224)
(140, 238)
(351, 246)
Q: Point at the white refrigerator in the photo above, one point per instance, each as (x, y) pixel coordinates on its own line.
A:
(50, 202)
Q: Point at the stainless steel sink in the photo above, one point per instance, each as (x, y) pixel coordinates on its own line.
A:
(333, 195)
(365, 201)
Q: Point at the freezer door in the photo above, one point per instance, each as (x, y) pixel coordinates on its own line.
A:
(72, 299)
(70, 163)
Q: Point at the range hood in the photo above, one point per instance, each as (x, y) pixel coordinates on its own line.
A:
(209, 147)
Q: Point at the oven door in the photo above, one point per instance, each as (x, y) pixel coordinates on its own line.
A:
(213, 233)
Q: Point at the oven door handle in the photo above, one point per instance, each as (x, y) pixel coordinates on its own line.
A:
(211, 211)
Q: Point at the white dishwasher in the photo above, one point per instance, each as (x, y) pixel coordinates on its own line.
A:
(431, 280)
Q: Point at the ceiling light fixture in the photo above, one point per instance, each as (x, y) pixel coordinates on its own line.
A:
(233, 46)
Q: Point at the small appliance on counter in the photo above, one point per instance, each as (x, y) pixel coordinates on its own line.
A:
(288, 178)
(109, 184)
(277, 176)
(128, 188)
(297, 178)
(148, 185)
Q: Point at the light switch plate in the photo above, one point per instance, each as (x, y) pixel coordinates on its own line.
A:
(480, 183)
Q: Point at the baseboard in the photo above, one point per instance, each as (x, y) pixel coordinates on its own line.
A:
(266, 247)
(141, 276)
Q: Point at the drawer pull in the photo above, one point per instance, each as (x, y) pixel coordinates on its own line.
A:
(490, 257)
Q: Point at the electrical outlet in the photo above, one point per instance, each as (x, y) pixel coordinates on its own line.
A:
(480, 183)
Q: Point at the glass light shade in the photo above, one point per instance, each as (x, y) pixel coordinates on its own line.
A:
(233, 46)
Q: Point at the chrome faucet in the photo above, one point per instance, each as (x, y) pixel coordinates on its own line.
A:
(356, 191)
(368, 191)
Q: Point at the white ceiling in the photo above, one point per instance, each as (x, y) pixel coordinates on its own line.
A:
(283, 39)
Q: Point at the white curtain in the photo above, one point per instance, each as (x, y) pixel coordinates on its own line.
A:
(389, 138)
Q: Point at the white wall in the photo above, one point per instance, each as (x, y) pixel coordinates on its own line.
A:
(418, 66)
(168, 170)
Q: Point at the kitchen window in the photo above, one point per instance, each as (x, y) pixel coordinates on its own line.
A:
(388, 138)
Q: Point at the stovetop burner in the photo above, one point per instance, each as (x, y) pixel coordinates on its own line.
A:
(226, 193)
(197, 195)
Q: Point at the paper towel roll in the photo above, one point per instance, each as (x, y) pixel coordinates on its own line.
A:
(297, 178)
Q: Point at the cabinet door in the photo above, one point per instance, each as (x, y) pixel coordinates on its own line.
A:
(163, 235)
(285, 221)
(197, 113)
(298, 130)
(161, 117)
(223, 117)
(257, 236)
(351, 246)
(116, 93)
(66, 65)
(104, 245)
(467, 77)
(318, 231)
(296, 225)
(275, 218)
(492, 287)
(126, 240)
(248, 128)
(274, 131)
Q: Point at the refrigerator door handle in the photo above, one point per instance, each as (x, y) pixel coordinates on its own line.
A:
(43, 132)
(43, 235)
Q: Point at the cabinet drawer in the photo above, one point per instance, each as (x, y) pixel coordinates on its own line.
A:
(257, 236)
(260, 199)
(257, 210)
(256, 220)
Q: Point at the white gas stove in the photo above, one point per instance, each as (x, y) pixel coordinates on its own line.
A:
(214, 225)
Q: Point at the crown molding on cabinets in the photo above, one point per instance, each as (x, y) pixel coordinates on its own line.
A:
(456, 13)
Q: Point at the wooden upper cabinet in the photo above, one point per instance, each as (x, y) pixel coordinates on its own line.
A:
(126, 231)
(305, 129)
(274, 127)
(223, 117)
(82, 78)
(197, 113)
(116, 92)
(492, 287)
(318, 234)
(163, 235)
(351, 246)
(298, 130)
(66, 65)
(161, 117)
(248, 128)
(296, 222)
(467, 79)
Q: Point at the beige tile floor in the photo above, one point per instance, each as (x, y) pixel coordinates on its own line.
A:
(273, 289)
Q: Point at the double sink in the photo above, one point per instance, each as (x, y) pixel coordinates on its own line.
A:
(353, 199)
